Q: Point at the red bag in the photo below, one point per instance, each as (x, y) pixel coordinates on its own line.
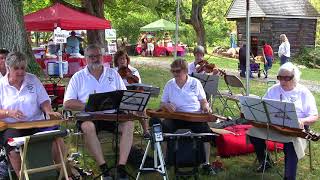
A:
(233, 145)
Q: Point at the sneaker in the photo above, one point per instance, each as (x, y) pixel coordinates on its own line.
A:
(122, 174)
(207, 169)
(146, 135)
(266, 166)
(106, 178)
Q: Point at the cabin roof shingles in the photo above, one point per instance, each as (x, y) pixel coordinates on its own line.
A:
(272, 8)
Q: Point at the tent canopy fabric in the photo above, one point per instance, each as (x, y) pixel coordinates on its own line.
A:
(160, 25)
(64, 17)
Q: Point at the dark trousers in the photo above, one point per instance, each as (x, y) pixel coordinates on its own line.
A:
(283, 59)
(291, 159)
(243, 70)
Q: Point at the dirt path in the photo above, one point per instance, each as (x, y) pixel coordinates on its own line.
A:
(164, 62)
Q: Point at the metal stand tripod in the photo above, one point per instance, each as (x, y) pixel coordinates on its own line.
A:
(157, 153)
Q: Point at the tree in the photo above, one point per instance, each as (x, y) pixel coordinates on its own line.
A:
(196, 19)
(13, 35)
(95, 8)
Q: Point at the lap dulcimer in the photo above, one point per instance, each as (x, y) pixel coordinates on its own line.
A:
(94, 116)
(303, 133)
(30, 124)
(185, 116)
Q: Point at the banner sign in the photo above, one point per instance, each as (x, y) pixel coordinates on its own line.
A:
(60, 36)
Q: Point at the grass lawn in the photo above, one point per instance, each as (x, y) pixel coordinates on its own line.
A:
(240, 167)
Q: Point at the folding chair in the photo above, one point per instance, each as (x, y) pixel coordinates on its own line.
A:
(36, 157)
(235, 90)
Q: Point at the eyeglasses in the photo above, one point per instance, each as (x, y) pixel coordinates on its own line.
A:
(175, 71)
(285, 78)
(17, 68)
(94, 56)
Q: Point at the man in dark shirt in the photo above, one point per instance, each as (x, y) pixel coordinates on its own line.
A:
(242, 61)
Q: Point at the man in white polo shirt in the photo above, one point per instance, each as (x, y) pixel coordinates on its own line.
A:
(95, 78)
(184, 93)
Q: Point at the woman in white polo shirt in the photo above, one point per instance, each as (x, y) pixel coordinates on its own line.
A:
(287, 90)
(22, 98)
(184, 93)
(284, 49)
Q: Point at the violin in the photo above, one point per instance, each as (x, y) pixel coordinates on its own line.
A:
(126, 73)
(207, 67)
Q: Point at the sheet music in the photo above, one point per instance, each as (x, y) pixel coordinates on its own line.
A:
(134, 101)
(252, 109)
(209, 82)
(280, 113)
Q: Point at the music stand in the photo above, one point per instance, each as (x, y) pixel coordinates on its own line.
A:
(210, 85)
(120, 100)
(269, 112)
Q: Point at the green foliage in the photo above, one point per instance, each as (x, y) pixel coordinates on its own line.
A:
(316, 4)
(217, 27)
(308, 56)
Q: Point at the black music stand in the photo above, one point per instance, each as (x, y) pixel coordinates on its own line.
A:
(120, 100)
(269, 112)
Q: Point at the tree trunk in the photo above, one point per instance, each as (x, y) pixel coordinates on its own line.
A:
(13, 35)
(196, 21)
(95, 8)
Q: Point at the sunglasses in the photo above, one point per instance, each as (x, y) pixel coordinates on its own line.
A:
(285, 78)
(94, 56)
(175, 71)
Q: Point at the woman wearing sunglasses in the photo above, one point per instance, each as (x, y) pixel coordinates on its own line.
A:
(184, 93)
(288, 90)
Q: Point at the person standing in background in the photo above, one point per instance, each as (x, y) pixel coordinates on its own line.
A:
(268, 57)
(73, 44)
(3, 55)
(284, 49)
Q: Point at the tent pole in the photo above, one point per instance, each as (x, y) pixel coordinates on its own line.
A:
(248, 39)
(177, 29)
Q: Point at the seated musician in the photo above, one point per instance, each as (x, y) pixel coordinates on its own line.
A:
(193, 67)
(288, 90)
(23, 99)
(184, 93)
(129, 75)
(96, 78)
(199, 65)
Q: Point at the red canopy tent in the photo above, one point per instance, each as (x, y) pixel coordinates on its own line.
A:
(64, 17)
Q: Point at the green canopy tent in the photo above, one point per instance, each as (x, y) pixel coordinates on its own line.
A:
(160, 25)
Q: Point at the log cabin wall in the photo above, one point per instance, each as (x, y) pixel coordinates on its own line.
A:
(300, 32)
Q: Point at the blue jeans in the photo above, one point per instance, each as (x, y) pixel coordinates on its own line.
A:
(283, 59)
(268, 65)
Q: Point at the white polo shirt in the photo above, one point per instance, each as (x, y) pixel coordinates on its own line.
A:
(302, 98)
(192, 68)
(134, 71)
(284, 49)
(185, 99)
(83, 83)
(28, 99)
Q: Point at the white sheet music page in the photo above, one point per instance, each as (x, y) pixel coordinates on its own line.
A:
(252, 109)
(282, 113)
